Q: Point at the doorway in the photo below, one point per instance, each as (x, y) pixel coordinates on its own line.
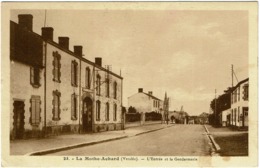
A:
(18, 119)
(87, 115)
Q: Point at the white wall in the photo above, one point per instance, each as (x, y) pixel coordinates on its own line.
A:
(21, 89)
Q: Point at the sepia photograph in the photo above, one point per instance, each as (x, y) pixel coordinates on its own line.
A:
(129, 84)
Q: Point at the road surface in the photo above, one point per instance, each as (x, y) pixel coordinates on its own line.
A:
(178, 140)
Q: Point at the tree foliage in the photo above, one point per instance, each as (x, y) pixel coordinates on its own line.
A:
(132, 110)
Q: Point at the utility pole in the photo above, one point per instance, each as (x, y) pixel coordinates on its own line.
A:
(215, 107)
(232, 73)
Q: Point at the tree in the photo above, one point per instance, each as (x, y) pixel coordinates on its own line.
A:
(131, 110)
(223, 102)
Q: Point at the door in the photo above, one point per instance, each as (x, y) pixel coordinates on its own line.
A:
(87, 115)
(18, 119)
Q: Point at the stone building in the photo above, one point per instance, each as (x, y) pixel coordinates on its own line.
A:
(55, 90)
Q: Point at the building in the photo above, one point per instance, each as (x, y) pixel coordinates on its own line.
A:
(179, 117)
(239, 104)
(145, 102)
(55, 90)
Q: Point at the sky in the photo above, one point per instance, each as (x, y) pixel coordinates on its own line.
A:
(186, 53)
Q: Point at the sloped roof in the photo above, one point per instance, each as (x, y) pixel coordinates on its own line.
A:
(151, 96)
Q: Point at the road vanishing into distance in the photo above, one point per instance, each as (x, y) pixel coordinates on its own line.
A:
(178, 140)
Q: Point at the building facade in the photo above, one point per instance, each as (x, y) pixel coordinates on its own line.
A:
(55, 90)
(239, 104)
(145, 102)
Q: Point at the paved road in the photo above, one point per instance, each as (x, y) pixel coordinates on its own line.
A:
(178, 140)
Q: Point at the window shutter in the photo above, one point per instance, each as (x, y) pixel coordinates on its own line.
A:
(31, 75)
(72, 106)
(72, 74)
(37, 111)
(33, 111)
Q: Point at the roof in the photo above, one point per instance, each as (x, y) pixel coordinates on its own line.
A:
(151, 96)
(239, 83)
(34, 43)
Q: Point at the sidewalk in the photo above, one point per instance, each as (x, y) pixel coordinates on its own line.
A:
(231, 142)
(63, 142)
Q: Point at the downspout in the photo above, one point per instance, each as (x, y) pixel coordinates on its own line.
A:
(79, 91)
(45, 69)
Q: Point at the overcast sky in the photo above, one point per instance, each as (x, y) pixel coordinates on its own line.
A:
(186, 53)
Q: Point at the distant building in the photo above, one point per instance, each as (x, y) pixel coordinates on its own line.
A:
(55, 90)
(145, 102)
(239, 104)
(180, 117)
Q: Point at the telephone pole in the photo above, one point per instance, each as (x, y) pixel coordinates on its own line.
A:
(215, 107)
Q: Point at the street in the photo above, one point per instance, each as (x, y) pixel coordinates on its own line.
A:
(178, 140)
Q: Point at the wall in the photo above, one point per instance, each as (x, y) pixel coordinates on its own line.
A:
(102, 124)
(64, 87)
(141, 102)
(239, 104)
(21, 89)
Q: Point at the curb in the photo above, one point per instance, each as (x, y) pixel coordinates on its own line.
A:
(151, 130)
(54, 150)
(216, 146)
(48, 151)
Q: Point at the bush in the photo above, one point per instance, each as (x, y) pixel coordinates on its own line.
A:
(153, 116)
(132, 117)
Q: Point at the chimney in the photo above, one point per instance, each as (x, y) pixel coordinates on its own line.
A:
(140, 90)
(64, 42)
(26, 20)
(150, 93)
(78, 50)
(47, 33)
(98, 61)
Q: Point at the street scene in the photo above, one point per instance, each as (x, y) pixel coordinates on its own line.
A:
(129, 83)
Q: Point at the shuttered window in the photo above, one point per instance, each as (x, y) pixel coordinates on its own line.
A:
(98, 88)
(74, 105)
(88, 78)
(56, 105)
(35, 110)
(74, 73)
(98, 110)
(35, 77)
(115, 90)
(245, 92)
(56, 67)
(115, 112)
(107, 111)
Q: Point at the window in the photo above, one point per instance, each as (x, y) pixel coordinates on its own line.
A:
(74, 73)
(232, 98)
(35, 77)
(238, 114)
(107, 86)
(115, 90)
(74, 104)
(245, 92)
(115, 112)
(235, 117)
(56, 105)
(87, 78)
(238, 93)
(107, 111)
(98, 84)
(35, 110)
(98, 110)
(56, 67)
